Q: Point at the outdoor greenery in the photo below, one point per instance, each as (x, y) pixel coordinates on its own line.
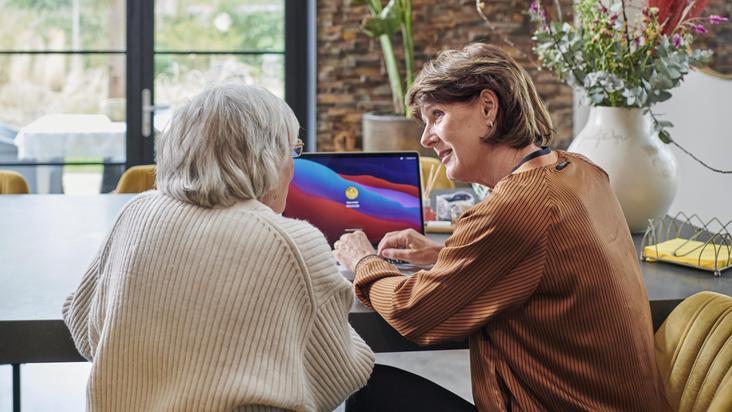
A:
(225, 25)
(33, 85)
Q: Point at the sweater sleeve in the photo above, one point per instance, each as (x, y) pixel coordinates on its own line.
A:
(337, 361)
(77, 306)
(493, 262)
(76, 309)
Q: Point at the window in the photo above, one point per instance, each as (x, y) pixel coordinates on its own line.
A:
(86, 85)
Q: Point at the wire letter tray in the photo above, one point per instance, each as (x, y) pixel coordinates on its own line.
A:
(688, 241)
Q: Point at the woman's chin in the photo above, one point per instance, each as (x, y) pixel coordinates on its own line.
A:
(451, 173)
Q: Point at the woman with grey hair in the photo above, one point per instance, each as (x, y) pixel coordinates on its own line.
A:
(202, 297)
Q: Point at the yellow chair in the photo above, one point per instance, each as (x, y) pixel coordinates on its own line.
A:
(137, 179)
(442, 181)
(12, 183)
(694, 353)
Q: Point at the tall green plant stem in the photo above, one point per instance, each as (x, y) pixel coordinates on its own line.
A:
(398, 88)
(408, 51)
(392, 69)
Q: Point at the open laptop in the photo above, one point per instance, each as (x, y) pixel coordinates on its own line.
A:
(344, 192)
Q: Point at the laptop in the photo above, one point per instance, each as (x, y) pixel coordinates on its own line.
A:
(347, 191)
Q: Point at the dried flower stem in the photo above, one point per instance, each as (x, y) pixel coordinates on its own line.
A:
(699, 160)
(479, 5)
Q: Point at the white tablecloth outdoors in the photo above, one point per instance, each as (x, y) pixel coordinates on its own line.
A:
(72, 135)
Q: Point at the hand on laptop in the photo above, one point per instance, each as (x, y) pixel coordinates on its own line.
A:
(410, 246)
(351, 247)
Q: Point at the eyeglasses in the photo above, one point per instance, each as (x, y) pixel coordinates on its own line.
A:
(297, 149)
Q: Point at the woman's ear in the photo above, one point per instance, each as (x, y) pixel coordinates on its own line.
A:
(489, 104)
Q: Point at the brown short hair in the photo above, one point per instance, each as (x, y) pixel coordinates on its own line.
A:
(461, 75)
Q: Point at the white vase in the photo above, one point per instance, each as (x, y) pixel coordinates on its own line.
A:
(642, 169)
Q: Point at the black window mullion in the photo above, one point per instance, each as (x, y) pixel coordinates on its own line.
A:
(140, 19)
(148, 68)
(300, 65)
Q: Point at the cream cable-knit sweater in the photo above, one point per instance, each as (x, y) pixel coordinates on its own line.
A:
(193, 309)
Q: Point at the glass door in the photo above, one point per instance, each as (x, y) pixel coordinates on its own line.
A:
(205, 41)
(63, 93)
(87, 85)
(200, 42)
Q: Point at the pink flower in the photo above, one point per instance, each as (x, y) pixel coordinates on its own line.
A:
(715, 19)
(699, 28)
(676, 39)
(535, 6)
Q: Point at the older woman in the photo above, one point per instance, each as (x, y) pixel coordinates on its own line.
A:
(541, 277)
(202, 297)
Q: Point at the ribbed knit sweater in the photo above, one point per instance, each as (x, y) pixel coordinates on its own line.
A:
(193, 309)
(543, 279)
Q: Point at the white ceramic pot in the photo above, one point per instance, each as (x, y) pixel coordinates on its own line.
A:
(642, 169)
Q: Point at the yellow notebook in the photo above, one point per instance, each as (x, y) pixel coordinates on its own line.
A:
(690, 253)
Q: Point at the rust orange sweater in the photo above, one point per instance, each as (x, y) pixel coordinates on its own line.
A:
(542, 277)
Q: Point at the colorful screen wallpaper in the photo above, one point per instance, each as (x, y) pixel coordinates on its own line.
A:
(338, 195)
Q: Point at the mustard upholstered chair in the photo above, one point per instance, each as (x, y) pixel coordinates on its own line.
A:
(12, 183)
(442, 181)
(694, 353)
(137, 179)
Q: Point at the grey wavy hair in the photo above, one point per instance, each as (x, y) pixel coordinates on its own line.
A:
(226, 144)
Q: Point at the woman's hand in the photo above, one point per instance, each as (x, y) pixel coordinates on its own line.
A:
(351, 248)
(410, 246)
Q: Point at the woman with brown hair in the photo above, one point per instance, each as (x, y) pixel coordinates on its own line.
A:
(541, 277)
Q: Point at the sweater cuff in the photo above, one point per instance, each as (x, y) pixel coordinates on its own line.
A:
(368, 270)
(367, 257)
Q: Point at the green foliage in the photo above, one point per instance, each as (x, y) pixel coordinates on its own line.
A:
(613, 64)
(382, 24)
(40, 4)
(249, 31)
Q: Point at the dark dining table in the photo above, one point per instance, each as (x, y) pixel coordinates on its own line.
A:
(47, 241)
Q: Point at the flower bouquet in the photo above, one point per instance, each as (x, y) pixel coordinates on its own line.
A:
(620, 59)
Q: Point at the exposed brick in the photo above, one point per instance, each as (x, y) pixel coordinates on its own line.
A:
(352, 79)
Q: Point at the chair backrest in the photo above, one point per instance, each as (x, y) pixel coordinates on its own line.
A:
(694, 353)
(12, 183)
(442, 182)
(137, 179)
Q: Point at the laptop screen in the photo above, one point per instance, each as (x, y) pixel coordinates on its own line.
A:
(344, 192)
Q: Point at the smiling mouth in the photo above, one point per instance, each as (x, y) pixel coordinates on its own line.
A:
(444, 155)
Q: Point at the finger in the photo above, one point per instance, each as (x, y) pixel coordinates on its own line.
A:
(336, 245)
(401, 254)
(338, 256)
(398, 240)
(390, 240)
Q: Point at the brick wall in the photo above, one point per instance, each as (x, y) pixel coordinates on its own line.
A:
(352, 80)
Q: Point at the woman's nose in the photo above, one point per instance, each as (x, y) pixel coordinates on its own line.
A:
(428, 138)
